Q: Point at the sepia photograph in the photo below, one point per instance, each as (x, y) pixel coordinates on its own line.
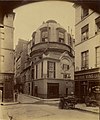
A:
(49, 60)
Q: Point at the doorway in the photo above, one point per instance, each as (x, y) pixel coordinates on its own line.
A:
(66, 92)
(36, 91)
(52, 90)
(1, 94)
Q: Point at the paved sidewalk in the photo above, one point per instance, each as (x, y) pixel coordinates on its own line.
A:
(83, 107)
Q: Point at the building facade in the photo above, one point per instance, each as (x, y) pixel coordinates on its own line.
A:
(20, 59)
(49, 70)
(7, 57)
(87, 52)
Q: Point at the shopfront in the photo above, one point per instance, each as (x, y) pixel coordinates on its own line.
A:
(86, 82)
(7, 86)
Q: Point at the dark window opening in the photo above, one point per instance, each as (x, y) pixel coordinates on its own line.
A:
(97, 21)
(61, 37)
(85, 12)
(85, 32)
(85, 60)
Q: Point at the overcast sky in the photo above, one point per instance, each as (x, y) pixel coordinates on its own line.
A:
(29, 17)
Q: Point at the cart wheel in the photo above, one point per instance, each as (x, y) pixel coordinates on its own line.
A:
(66, 105)
(73, 106)
(60, 105)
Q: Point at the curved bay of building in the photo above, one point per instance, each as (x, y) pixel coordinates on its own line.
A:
(49, 68)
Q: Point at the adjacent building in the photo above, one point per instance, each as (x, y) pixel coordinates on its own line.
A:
(87, 53)
(20, 59)
(7, 57)
(49, 68)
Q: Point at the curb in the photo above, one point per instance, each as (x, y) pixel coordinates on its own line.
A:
(37, 98)
(87, 111)
(14, 103)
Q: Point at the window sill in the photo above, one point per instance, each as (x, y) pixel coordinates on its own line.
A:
(87, 39)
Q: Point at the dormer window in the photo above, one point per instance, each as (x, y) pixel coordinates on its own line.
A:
(45, 36)
(85, 12)
(61, 37)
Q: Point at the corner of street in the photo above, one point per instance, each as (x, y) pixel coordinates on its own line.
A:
(33, 108)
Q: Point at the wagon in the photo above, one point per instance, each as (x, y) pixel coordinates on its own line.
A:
(67, 102)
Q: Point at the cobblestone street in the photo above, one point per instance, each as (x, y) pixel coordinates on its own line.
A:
(34, 109)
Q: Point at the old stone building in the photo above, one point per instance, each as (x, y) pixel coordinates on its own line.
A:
(49, 70)
(87, 52)
(20, 59)
(7, 57)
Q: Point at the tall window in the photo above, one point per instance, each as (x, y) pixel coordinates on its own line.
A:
(85, 12)
(85, 32)
(97, 21)
(61, 37)
(85, 59)
(98, 56)
(50, 69)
